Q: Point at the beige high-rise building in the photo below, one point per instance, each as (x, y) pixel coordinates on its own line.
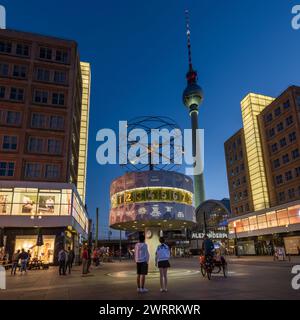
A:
(268, 211)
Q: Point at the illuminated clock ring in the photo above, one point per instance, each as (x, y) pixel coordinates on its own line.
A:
(152, 194)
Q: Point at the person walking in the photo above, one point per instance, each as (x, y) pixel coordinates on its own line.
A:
(162, 257)
(70, 261)
(85, 257)
(23, 257)
(142, 260)
(62, 260)
(15, 262)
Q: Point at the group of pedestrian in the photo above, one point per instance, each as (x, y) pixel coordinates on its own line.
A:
(142, 256)
(65, 261)
(20, 259)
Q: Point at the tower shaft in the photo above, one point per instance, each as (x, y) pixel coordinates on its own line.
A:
(199, 191)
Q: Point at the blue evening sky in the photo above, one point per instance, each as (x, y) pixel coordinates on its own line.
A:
(137, 50)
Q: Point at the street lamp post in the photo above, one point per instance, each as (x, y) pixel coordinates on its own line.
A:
(205, 226)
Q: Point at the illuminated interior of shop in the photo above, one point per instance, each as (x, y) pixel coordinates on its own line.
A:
(41, 202)
(43, 253)
(276, 218)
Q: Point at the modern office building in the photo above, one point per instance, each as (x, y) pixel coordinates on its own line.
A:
(263, 169)
(44, 108)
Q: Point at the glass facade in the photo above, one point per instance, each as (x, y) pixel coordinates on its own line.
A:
(251, 106)
(17, 201)
(271, 219)
(84, 127)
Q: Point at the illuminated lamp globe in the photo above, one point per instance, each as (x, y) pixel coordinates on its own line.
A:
(192, 95)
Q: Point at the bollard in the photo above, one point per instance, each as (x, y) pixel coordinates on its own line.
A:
(2, 278)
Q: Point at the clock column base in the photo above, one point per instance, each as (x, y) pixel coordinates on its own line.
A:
(152, 240)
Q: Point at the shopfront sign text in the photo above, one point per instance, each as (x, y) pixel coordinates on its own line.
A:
(212, 235)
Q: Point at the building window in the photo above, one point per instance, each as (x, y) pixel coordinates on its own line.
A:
(269, 117)
(38, 121)
(244, 179)
(276, 163)
(274, 147)
(271, 133)
(291, 193)
(279, 126)
(298, 101)
(297, 172)
(7, 169)
(16, 94)
(35, 145)
(9, 143)
(292, 136)
(245, 193)
(43, 75)
(60, 77)
(288, 176)
(56, 123)
(247, 207)
(279, 179)
(19, 71)
(22, 50)
(286, 104)
(41, 96)
(13, 118)
(52, 171)
(58, 99)
(281, 196)
(33, 170)
(2, 92)
(242, 167)
(285, 158)
(282, 142)
(277, 111)
(61, 56)
(289, 120)
(54, 146)
(4, 69)
(45, 53)
(5, 46)
(295, 154)
(237, 169)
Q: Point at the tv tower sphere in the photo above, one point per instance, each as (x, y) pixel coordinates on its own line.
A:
(192, 96)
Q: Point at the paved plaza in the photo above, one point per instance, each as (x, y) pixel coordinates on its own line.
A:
(249, 278)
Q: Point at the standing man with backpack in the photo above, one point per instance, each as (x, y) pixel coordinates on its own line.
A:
(162, 257)
(142, 260)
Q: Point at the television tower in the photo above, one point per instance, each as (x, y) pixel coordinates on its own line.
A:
(192, 98)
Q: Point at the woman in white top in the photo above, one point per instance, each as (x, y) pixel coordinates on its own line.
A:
(162, 261)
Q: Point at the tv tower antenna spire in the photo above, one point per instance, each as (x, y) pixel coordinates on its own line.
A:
(192, 74)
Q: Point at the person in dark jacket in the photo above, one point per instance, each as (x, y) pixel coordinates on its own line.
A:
(71, 256)
(208, 246)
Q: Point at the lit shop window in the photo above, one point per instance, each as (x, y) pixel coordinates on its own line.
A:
(45, 253)
(5, 202)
